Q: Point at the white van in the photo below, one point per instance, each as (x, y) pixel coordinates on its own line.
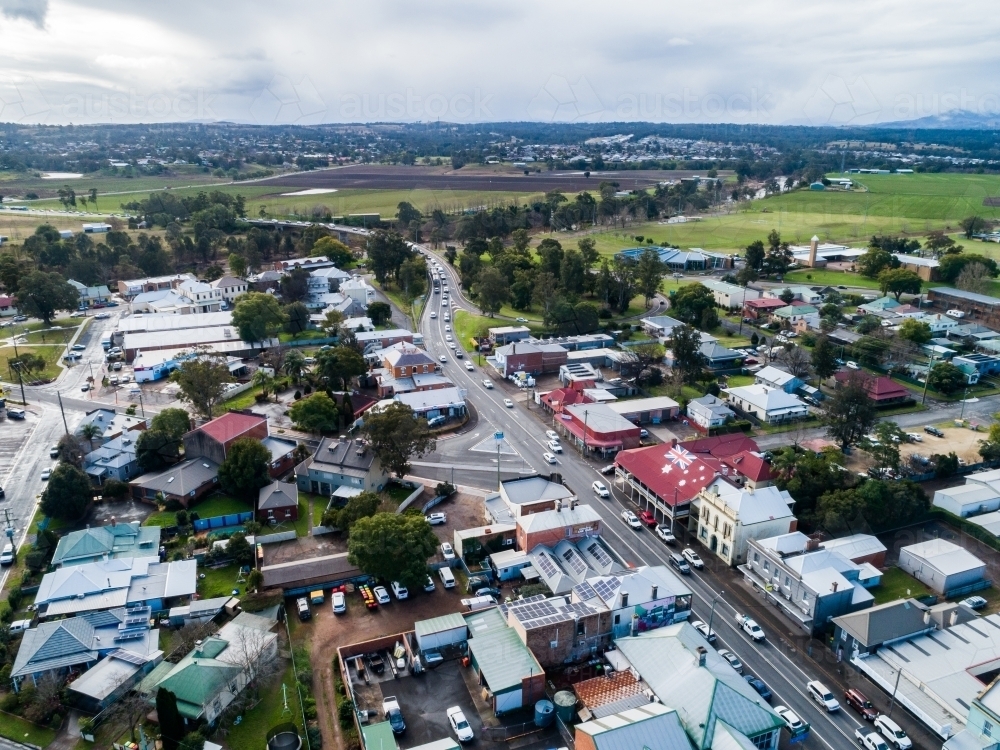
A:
(479, 602)
(447, 577)
(19, 626)
(957, 314)
(7, 556)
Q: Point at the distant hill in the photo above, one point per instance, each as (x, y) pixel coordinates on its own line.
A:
(956, 119)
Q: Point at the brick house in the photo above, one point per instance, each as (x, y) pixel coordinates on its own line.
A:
(881, 389)
(213, 439)
(278, 502)
(185, 483)
(761, 309)
(531, 358)
(405, 359)
(572, 521)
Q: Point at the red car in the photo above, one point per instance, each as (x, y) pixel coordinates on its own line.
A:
(647, 518)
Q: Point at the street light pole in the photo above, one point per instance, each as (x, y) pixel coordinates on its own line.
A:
(711, 617)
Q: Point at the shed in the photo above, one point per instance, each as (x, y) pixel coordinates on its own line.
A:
(440, 631)
(941, 565)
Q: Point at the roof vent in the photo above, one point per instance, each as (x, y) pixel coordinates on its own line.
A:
(702, 653)
(206, 466)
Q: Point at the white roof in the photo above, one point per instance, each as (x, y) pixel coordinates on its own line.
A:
(947, 557)
(643, 404)
(442, 398)
(774, 375)
(171, 322)
(766, 398)
(183, 338)
(754, 506)
(988, 521)
(557, 519)
(600, 418)
(855, 546)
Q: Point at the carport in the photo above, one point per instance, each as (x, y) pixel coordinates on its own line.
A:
(440, 631)
(503, 664)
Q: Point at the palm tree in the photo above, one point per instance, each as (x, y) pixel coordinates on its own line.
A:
(295, 363)
(90, 431)
(262, 379)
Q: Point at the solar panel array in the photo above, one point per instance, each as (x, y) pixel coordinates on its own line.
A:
(585, 591)
(539, 613)
(548, 567)
(599, 553)
(607, 587)
(575, 561)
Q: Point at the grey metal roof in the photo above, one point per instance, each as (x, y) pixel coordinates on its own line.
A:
(651, 726)
(885, 622)
(984, 299)
(533, 490)
(337, 454)
(181, 479)
(277, 495)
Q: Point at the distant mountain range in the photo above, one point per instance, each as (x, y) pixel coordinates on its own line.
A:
(956, 119)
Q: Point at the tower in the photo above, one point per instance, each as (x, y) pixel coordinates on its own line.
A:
(813, 247)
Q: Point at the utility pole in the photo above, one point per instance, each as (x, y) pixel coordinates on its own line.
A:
(892, 701)
(9, 530)
(143, 408)
(20, 380)
(711, 617)
(927, 379)
(63, 412)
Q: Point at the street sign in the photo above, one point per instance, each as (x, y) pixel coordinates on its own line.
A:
(498, 436)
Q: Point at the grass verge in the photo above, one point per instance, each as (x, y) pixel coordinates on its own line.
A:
(21, 730)
(50, 354)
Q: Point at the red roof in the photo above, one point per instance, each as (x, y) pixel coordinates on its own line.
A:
(231, 425)
(765, 303)
(674, 481)
(722, 445)
(881, 388)
(736, 452)
(751, 465)
(562, 397)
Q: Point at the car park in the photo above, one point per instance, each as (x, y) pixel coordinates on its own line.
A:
(758, 684)
(893, 733)
(692, 557)
(381, 595)
(399, 590)
(508, 403)
(435, 519)
(974, 602)
(822, 695)
(733, 659)
(860, 703)
(600, 489)
(702, 628)
(488, 384)
(555, 446)
(792, 721)
(447, 551)
(550, 457)
(302, 608)
(339, 602)
(459, 724)
(630, 519)
(663, 532)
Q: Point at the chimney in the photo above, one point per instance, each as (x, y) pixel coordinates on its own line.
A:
(624, 599)
(652, 594)
(198, 646)
(673, 442)
(953, 619)
(833, 587)
(702, 653)
(572, 503)
(114, 522)
(812, 544)
(813, 247)
(558, 506)
(927, 617)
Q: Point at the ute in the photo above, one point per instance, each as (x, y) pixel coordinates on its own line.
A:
(869, 739)
(749, 626)
(393, 714)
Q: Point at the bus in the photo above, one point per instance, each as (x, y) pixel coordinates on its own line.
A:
(106, 340)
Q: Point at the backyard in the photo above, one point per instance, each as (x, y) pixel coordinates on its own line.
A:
(897, 584)
(214, 505)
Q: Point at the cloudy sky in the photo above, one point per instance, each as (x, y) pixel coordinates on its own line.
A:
(769, 61)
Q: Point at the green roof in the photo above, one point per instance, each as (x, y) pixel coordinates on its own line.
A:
(198, 681)
(379, 736)
(500, 655)
(439, 624)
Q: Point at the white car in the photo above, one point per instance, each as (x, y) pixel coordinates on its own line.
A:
(551, 435)
(451, 345)
(631, 520)
(46, 473)
(339, 603)
(433, 314)
(791, 719)
(443, 358)
(447, 337)
(435, 519)
(447, 328)
(555, 446)
(458, 722)
(508, 403)
(381, 595)
(469, 367)
(447, 317)
(399, 590)
(822, 695)
(733, 659)
(102, 316)
(692, 557)
(488, 384)
(851, 365)
(600, 489)
(663, 531)
(447, 551)
(550, 457)
(702, 628)
(891, 731)
(914, 437)
(85, 387)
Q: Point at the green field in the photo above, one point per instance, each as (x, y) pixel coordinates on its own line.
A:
(50, 354)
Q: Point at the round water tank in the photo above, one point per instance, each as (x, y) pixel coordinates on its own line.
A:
(565, 705)
(544, 713)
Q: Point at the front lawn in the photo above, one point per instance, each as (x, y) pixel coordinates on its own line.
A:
(214, 505)
(22, 730)
(897, 584)
(397, 492)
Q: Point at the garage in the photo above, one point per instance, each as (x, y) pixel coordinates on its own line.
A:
(440, 632)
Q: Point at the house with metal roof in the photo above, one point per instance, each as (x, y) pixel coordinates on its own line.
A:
(116, 459)
(775, 377)
(502, 664)
(214, 439)
(638, 599)
(568, 563)
(341, 463)
(728, 517)
(108, 542)
(448, 402)
(278, 502)
(770, 405)
(709, 696)
(708, 412)
(651, 725)
(110, 424)
(943, 566)
(186, 482)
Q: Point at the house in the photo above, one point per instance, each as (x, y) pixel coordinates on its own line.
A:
(278, 502)
(717, 358)
(124, 582)
(769, 405)
(792, 315)
(980, 494)
(881, 389)
(213, 674)
(983, 364)
(282, 452)
(8, 306)
(341, 463)
(214, 439)
(116, 459)
(939, 323)
(186, 482)
(526, 495)
(859, 549)
(882, 304)
(508, 334)
(119, 637)
(555, 401)
(730, 296)
(799, 294)
(943, 566)
(109, 424)
(808, 583)
(108, 542)
(91, 295)
(405, 359)
(598, 428)
(134, 287)
(231, 287)
(972, 333)
(448, 402)
(502, 665)
(984, 308)
(727, 517)
(708, 412)
(659, 326)
(371, 341)
(557, 631)
(572, 521)
(716, 706)
(534, 359)
(761, 309)
(775, 377)
(649, 725)
(646, 597)
(330, 277)
(646, 410)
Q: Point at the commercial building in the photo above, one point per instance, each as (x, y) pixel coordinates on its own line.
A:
(91, 296)
(660, 326)
(108, 542)
(532, 358)
(446, 402)
(508, 334)
(728, 517)
(341, 463)
(503, 666)
(943, 567)
(982, 307)
(572, 521)
(558, 631)
(231, 287)
(371, 341)
(525, 495)
(598, 428)
(646, 410)
(733, 456)
(569, 563)
(212, 339)
(859, 549)
(731, 296)
(134, 287)
(980, 494)
(639, 599)
(650, 726)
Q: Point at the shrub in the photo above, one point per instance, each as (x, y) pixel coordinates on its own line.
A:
(315, 738)
(9, 702)
(36, 559)
(298, 395)
(14, 597)
(307, 389)
(56, 721)
(115, 489)
(6, 613)
(345, 714)
(309, 707)
(604, 313)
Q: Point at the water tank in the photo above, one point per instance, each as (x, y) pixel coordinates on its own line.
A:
(565, 705)
(544, 713)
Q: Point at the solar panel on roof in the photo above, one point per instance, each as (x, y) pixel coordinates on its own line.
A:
(584, 590)
(573, 558)
(549, 569)
(606, 588)
(599, 553)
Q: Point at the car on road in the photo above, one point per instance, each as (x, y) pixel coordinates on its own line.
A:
(749, 626)
(609, 469)
(792, 721)
(852, 365)
(860, 703)
(46, 473)
(85, 387)
(550, 457)
(447, 328)
(459, 724)
(20, 318)
(930, 430)
(339, 602)
(692, 557)
(435, 519)
(892, 732)
(600, 489)
(555, 446)
(488, 384)
(443, 358)
(459, 354)
(551, 435)
(469, 366)
(733, 659)
(399, 590)
(433, 314)
(54, 451)
(663, 532)
(647, 518)
(447, 337)
(447, 551)
(822, 695)
(78, 347)
(447, 317)
(508, 403)
(451, 345)
(974, 602)
(702, 628)
(680, 563)
(758, 684)
(630, 519)
(381, 595)
(643, 434)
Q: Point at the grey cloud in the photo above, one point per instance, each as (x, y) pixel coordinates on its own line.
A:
(28, 10)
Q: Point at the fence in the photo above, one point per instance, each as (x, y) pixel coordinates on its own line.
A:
(508, 732)
(221, 522)
(312, 342)
(969, 589)
(281, 536)
(412, 496)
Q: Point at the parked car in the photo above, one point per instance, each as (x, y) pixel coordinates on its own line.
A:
(339, 602)
(822, 695)
(551, 435)
(630, 519)
(609, 469)
(692, 557)
(399, 590)
(758, 684)
(792, 721)
(429, 585)
(600, 489)
(663, 532)
(459, 724)
(447, 551)
(647, 518)
(381, 595)
(85, 387)
(302, 608)
(733, 660)
(851, 365)
(860, 703)
(974, 602)
(435, 519)
(54, 451)
(393, 714)
(892, 732)
(914, 437)
(46, 473)
(643, 434)
(930, 430)
(702, 628)
(550, 457)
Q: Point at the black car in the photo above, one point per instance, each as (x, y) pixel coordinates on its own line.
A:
(2, 494)
(758, 684)
(488, 591)
(933, 431)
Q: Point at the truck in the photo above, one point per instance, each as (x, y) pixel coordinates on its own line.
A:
(749, 626)
(106, 340)
(393, 714)
(869, 739)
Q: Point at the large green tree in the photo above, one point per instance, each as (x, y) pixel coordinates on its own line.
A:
(258, 317)
(916, 331)
(396, 437)
(876, 260)
(694, 304)
(850, 414)
(337, 252)
(491, 291)
(824, 358)
(317, 413)
(897, 281)
(245, 469)
(156, 449)
(946, 378)
(175, 422)
(387, 251)
(337, 366)
(202, 382)
(296, 319)
(68, 494)
(360, 506)
(649, 273)
(169, 719)
(392, 547)
(41, 294)
(685, 345)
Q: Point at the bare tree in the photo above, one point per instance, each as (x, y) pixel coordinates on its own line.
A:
(127, 712)
(796, 360)
(975, 277)
(254, 651)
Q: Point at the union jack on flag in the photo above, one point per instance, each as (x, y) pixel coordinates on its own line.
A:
(679, 457)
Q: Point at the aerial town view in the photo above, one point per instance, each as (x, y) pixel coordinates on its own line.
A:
(419, 377)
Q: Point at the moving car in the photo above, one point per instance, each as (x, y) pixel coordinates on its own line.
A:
(302, 607)
(339, 602)
(434, 519)
(860, 703)
(85, 387)
(78, 347)
(458, 722)
(447, 551)
(469, 367)
(822, 695)
(448, 336)
(54, 451)
(663, 532)
(508, 403)
(792, 721)
(891, 731)
(647, 518)
(555, 446)
(550, 457)
(399, 590)
(692, 557)
(447, 328)
(46, 473)
(443, 358)
(381, 595)
(630, 519)
(758, 684)
(749, 626)
(869, 739)
(600, 489)
(702, 628)
(680, 563)
(733, 660)
(433, 314)
(488, 384)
